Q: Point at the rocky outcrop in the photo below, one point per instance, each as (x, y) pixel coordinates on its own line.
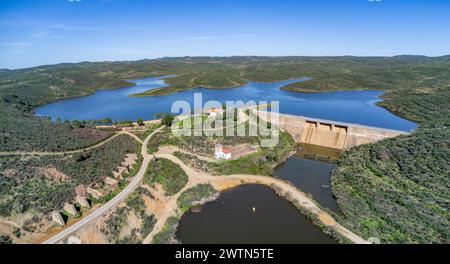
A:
(82, 201)
(80, 190)
(94, 193)
(70, 209)
(57, 218)
(73, 240)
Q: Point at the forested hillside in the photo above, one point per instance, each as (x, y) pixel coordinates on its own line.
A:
(399, 189)
(22, 90)
(396, 189)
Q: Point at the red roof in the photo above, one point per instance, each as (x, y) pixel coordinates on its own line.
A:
(226, 151)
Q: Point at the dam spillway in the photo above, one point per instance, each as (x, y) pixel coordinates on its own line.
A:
(327, 133)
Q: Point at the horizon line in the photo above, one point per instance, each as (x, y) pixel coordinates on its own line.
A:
(230, 56)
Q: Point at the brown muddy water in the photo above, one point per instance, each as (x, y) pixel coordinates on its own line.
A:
(231, 220)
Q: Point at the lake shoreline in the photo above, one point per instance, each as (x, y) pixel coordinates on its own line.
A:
(131, 103)
(281, 195)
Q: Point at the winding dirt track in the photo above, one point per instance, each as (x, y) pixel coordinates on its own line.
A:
(196, 177)
(224, 182)
(43, 153)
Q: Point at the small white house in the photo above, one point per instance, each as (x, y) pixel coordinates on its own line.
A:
(214, 111)
(222, 153)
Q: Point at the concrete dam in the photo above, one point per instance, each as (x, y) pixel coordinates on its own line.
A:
(327, 133)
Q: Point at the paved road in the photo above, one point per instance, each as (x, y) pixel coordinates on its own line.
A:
(132, 186)
(43, 153)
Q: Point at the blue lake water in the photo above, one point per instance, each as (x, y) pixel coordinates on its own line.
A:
(357, 107)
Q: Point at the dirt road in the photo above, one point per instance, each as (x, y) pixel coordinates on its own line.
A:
(225, 182)
(44, 153)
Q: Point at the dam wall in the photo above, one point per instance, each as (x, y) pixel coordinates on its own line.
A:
(327, 133)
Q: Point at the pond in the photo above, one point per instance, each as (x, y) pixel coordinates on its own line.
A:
(230, 219)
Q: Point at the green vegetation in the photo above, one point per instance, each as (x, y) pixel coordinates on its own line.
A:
(260, 163)
(167, 234)
(24, 133)
(135, 168)
(45, 183)
(23, 90)
(398, 189)
(148, 222)
(124, 123)
(117, 221)
(417, 88)
(136, 203)
(171, 177)
(140, 122)
(5, 239)
(158, 92)
(166, 119)
(165, 137)
(143, 134)
(196, 195)
(211, 122)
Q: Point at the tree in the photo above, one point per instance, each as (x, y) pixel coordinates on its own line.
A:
(76, 123)
(140, 122)
(166, 119)
(107, 121)
(5, 239)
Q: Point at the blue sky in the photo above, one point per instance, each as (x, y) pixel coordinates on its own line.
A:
(36, 32)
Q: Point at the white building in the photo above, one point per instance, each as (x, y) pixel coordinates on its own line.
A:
(222, 153)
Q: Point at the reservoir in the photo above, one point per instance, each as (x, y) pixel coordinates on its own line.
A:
(357, 107)
(230, 219)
